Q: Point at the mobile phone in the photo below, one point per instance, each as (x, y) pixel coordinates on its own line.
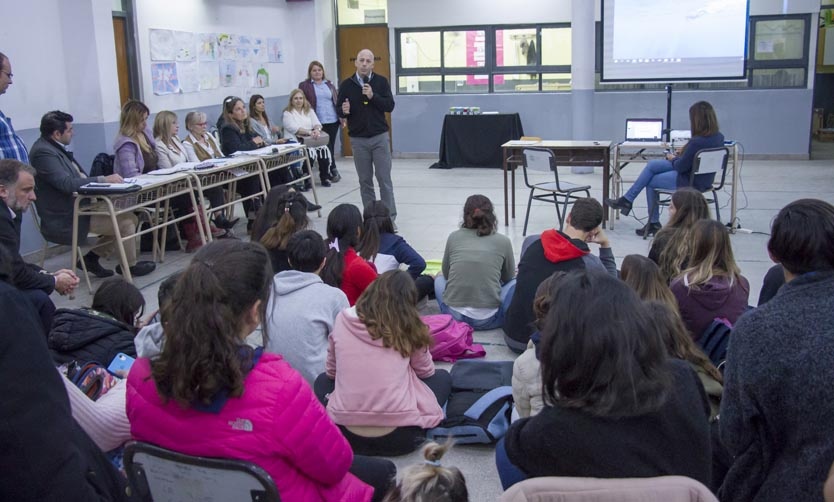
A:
(120, 364)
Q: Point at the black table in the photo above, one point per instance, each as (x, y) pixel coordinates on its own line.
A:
(475, 140)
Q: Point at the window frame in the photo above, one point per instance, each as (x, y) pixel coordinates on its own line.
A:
(490, 68)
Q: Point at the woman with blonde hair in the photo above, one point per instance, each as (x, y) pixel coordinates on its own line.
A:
(169, 148)
(644, 277)
(383, 408)
(670, 247)
(712, 285)
(322, 94)
(429, 480)
(300, 123)
(135, 148)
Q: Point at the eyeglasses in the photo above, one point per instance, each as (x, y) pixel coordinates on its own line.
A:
(9, 74)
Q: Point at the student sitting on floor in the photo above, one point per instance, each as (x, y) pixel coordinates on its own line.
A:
(344, 268)
(102, 331)
(302, 309)
(671, 246)
(386, 250)
(552, 251)
(430, 481)
(477, 283)
(381, 385)
(283, 214)
(527, 374)
(616, 405)
(209, 394)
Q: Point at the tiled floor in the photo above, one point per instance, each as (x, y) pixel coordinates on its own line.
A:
(430, 204)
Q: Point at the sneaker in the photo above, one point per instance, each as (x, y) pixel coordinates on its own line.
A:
(335, 177)
(623, 204)
(141, 268)
(93, 266)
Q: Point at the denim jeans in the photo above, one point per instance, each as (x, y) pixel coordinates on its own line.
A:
(658, 173)
(496, 321)
(507, 471)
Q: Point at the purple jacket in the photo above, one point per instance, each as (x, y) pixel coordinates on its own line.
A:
(277, 424)
(700, 305)
(129, 161)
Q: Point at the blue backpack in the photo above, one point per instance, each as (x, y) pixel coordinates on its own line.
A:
(715, 340)
(479, 408)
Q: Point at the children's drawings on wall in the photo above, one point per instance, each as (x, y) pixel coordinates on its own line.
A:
(165, 79)
(162, 45)
(275, 50)
(207, 47)
(193, 62)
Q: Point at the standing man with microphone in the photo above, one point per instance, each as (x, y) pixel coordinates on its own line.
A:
(364, 98)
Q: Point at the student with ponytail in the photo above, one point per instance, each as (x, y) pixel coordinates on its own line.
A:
(209, 394)
(344, 268)
(387, 251)
(430, 480)
(283, 214)
(477, 284)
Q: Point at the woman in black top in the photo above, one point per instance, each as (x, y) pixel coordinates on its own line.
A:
(616, 406)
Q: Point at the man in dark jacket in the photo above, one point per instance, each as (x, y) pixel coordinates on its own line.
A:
(44, 454)
(58, 177)
(778, 400)
(553, 251)
(17, 191)
(364, 98)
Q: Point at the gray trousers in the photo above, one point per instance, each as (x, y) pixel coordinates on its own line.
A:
(372, 156)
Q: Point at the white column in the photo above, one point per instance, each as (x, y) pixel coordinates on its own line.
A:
(582, 73)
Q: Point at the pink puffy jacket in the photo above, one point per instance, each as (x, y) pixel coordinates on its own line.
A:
(277, 424)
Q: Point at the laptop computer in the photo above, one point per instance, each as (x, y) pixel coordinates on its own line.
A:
(646, 130)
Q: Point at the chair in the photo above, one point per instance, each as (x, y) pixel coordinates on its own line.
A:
(542, 159)
(708, 160)
(659, 489)
(36, 218)
(160, 475)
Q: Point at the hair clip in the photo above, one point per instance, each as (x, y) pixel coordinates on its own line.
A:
(435, 463)
(335, 245)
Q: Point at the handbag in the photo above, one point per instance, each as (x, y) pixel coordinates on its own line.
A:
(312, 142)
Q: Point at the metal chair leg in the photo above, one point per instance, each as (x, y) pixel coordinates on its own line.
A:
(527, 215)
(564, 213)
(717, 210)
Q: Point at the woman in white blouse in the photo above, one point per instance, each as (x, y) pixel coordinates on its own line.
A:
(168, 146)
(300, 120)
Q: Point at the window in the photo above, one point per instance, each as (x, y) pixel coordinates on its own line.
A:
(483, 59)
(361, 12)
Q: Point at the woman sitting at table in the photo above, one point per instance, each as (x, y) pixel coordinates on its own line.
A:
(200, 146)
(135, 149)
(259, 121)
(169, 148)
(674, 171)
(321, 94)
(301, 121)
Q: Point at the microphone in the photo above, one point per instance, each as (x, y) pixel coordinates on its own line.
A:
(365, 81)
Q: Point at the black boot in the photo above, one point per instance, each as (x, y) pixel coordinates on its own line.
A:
(325, 182)
(623, 204)
(649, 229)
(220, 221)
(93, 265)
(335, 177)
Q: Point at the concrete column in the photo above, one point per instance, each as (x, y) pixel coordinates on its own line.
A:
(582, 73)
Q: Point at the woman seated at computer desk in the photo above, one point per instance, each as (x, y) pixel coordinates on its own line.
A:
(674, 171)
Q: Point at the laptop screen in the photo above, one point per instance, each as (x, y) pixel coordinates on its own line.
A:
(644, 129)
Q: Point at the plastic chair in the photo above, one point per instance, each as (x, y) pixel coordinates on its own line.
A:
(658, 489)
(557, 192)
(160, 475)
(707, 161)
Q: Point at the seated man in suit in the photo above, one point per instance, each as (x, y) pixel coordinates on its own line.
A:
(58, 175)
(17, 191)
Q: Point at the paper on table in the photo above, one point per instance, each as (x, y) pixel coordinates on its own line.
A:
(266, 150)
(182, 166)
(134, 181)
(519, 142)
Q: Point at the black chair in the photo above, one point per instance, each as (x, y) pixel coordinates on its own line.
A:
(160, 475)
(557, 192)
(707, 161)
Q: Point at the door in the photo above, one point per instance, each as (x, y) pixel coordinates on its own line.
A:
(122, 66)
(353, 39)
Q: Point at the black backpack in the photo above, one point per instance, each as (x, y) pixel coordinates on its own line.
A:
(479, 409)
(102, 165)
